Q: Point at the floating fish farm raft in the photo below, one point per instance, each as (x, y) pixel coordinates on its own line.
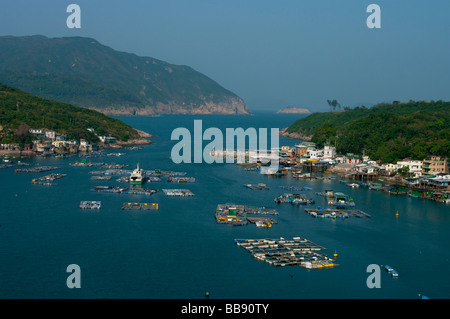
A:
(159, 173)
(38, 169)
(294, 199)
(100, 178)
(337, 199)
(180, 179)
(114, 166)
(259, 186)
(341, 200)
(282, 252)
(336, 213)
(48, 179)
(86, 164)
(178, 192)
(118, 172)
(140, 206)
(151, 179)
(236, 215)
(123, 190)
(295, 188)
(90, 205)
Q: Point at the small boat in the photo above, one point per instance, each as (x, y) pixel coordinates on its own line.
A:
(394, 274)
(261, 223)
(354, 185)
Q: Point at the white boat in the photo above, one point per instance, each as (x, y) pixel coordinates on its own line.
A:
(354, 185)
(136, 176)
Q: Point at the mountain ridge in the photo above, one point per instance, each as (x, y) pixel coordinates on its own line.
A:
(83, 72)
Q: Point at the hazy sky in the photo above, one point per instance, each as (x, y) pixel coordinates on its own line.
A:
(273, 54)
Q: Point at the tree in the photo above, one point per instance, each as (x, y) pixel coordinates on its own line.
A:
(333, 104)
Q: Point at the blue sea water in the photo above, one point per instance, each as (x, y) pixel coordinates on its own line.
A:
(180, 252)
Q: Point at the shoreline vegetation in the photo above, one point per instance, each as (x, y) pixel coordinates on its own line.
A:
(31, 124)
(386, 132)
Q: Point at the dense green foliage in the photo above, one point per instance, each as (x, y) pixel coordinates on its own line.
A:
(20, 110)
(386, 132)
(82, 72)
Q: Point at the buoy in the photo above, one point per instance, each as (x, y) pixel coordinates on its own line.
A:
(207, 294)
(335, 254)
(396, 214)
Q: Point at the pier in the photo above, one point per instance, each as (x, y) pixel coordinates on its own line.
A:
(281, 252)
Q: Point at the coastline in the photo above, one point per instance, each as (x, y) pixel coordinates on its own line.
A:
(295, 135)
(346, 170)
(142, 140)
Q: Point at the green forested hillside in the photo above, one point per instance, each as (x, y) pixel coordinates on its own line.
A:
(386, 132)
(82, 72)
(19, 109)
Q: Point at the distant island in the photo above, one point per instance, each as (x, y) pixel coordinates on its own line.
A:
(83, 72)
(293, 110)
(33, 124)
(387, 132)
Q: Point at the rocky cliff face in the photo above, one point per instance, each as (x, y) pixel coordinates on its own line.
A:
(295, 135)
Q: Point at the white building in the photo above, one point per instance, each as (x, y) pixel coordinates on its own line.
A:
(315, 153)
(390, 167)
(415, 167)
(35, 131)
(329, 152)
(50, 135)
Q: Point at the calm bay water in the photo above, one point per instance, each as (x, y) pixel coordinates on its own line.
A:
(180, 251)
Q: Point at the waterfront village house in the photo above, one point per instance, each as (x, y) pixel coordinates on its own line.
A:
(352, 159)
(286, 151)
(27, 148)
(107, 139)
(434, 164)
(58, 144)
(84, 145)
(368, 168)
(415, 167)
(36, 131)
(50, 135)
(44, 147)
(315, 153)
(341, 159)
(10, 147)
(390, 168)
(329, 152)
(300, 150)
